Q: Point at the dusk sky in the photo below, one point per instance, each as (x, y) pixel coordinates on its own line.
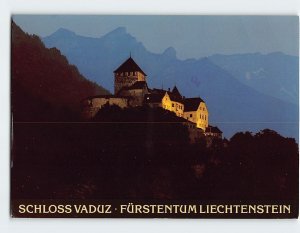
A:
(191, 36)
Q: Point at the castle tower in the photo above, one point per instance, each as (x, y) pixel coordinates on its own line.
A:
(127, 74)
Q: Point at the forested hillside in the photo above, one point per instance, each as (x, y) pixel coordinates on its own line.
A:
(44, 85)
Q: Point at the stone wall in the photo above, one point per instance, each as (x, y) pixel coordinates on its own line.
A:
(92, 105)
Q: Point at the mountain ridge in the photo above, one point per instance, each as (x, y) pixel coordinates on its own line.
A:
(274, 74)
(228, 98)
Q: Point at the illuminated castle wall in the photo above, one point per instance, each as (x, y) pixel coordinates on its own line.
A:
(131, 90)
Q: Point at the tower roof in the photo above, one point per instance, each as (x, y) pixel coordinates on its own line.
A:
(129, 66)
(175, 97)
(176, 92)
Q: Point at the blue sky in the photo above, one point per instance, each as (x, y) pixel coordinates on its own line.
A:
(191, 36)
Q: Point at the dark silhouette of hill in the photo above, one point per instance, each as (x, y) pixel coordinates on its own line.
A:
(44, 85)
(262, 165)
(120, 160)
(138, 114)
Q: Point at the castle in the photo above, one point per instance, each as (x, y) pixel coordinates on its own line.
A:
(131, 90)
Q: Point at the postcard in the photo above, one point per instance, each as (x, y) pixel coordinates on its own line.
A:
(161, 116)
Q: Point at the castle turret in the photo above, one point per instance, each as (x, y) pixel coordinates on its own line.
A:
(127, 74)
(176, 92)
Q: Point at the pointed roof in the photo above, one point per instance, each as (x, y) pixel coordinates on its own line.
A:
(129, 66)
(173, 96)
(176, 92)
(192, 104)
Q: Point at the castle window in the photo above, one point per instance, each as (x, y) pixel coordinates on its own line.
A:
(173, 105)
(191, 115)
